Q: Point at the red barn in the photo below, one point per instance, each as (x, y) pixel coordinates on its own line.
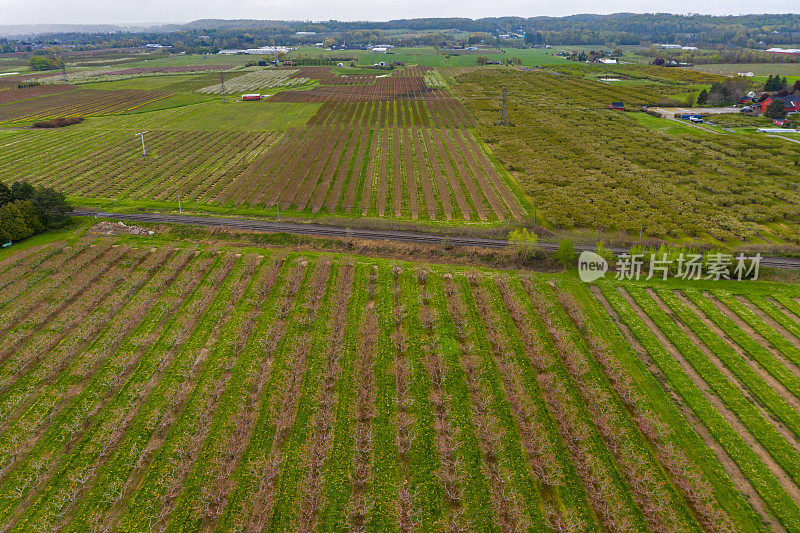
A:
(251, 97)
(791, 102)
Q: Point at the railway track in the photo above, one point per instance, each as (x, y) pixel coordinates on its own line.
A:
(323, 230)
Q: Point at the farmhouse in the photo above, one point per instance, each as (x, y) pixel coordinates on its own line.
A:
(617, 106)
(791, 102)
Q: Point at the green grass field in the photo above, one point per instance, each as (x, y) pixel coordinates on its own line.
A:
(210, 115)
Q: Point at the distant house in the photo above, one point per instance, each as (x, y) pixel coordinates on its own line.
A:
(608, 61)
(791, 102)
(780, 122)
(288, 63)
(251, 97)
(617, 106)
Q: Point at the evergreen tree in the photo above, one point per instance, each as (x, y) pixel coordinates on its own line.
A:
(22, 190)
(702, 98)
(52, 206)
(13, 221)
(5, 194)
(776, 109)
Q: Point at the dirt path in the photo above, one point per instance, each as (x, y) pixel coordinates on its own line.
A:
(740, 481)
(780, 475)
(752, 333)
(784, 138)
(782, 308)
(693, 125)
(771, 322)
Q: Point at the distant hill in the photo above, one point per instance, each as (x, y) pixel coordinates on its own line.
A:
(22, 30)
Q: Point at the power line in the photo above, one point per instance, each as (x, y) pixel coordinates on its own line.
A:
(503, 118)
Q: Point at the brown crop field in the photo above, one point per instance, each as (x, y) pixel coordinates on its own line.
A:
(77, 103)
(394, 171)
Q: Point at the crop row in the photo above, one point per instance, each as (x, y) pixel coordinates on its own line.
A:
(77, 103)
(206, 390)
(443, 113)
(638, 177)
(257, 79)
(383, 88)
(741, 399)
(12, 93)
(408, 172)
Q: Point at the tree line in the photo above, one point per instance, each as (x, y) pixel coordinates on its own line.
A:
(208, 36)
(26, 210)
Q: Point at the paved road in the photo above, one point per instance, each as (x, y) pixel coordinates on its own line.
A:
(323, 230)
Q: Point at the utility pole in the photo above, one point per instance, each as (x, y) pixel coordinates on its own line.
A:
(180, 209)
(278, 207)
(222, 90)
(141, 134)
(503, 118)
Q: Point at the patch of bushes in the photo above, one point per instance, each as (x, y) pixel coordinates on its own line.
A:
(26, 210)
(59, 122)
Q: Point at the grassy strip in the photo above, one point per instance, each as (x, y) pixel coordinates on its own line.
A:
(249, 473)
(336, 486)
(775, 338)
(478, 510)
(383, 491)
(428, 500)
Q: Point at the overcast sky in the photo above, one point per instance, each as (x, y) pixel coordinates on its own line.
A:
(138, 11)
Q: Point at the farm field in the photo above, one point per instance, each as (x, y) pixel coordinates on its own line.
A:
(351, 146)
(78, 102)
(156, 383)
(759, 69)
(411, 172)
(685, 186)
(416, 143)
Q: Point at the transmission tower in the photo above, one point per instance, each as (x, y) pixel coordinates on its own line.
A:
(503, 118)
(222, 91)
